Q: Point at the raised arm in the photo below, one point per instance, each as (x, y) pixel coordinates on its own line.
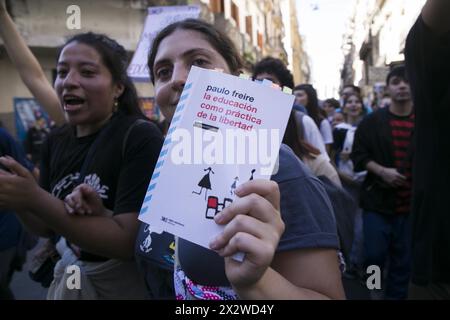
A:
(28, 67)
(435, 14)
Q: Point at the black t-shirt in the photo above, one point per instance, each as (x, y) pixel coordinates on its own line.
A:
(33, 143)
(428, 67)
(121, 181)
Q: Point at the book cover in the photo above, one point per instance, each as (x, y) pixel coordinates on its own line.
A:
(226, 130)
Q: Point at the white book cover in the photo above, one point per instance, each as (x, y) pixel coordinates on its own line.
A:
(226, 130)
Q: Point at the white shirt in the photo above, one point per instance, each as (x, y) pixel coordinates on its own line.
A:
(326, 131)
(313, 136)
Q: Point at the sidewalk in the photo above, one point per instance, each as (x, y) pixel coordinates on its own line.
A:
(23, 287)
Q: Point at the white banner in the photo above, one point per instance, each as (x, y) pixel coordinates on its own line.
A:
(157, 19)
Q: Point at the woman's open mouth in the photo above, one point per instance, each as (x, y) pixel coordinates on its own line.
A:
(72, 103)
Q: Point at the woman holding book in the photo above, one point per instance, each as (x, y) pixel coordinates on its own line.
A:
(285, 226)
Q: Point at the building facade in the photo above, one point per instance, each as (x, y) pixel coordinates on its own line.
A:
(375, 41)
(256, 27)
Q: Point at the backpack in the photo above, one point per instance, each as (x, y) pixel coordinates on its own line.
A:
(345, 209)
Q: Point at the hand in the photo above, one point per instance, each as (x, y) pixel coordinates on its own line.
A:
(84, 200)
(18, 188)
(254, 227)
(392, 177)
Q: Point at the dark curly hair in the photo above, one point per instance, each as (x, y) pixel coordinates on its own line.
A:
(333, 102)
(217, 39)
(275, 67)
(397, 71)
(115, 58)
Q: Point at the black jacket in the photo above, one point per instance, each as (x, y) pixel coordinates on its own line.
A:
(428, 67)
(373, 142)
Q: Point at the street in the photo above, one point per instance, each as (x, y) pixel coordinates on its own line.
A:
(23, 287)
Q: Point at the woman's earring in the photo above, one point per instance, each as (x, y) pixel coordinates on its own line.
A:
(116, 104)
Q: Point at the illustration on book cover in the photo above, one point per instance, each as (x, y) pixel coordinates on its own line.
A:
(213, 206)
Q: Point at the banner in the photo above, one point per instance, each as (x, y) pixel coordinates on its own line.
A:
(157, 19)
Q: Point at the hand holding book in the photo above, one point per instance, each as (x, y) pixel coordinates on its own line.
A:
(253, 226)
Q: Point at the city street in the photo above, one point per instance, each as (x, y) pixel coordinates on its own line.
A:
(23, 287)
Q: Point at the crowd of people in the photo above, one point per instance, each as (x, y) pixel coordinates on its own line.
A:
(355, 187)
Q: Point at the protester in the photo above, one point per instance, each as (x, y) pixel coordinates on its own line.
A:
(343, 135)
(349, 89)
(34, 77)
(274, 70)
(331, 106)
(338, 118)
(306, 95)
(278, 264)
(102, 146)
(257, 276)
(307, 128)
(34, 140)
(427, 62)
(382, 147)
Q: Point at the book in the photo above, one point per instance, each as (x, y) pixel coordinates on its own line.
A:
(226, 130)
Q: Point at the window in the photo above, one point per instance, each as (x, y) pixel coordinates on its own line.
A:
(217, 6)
(260, 40)
(249, 26)
(235, 13)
